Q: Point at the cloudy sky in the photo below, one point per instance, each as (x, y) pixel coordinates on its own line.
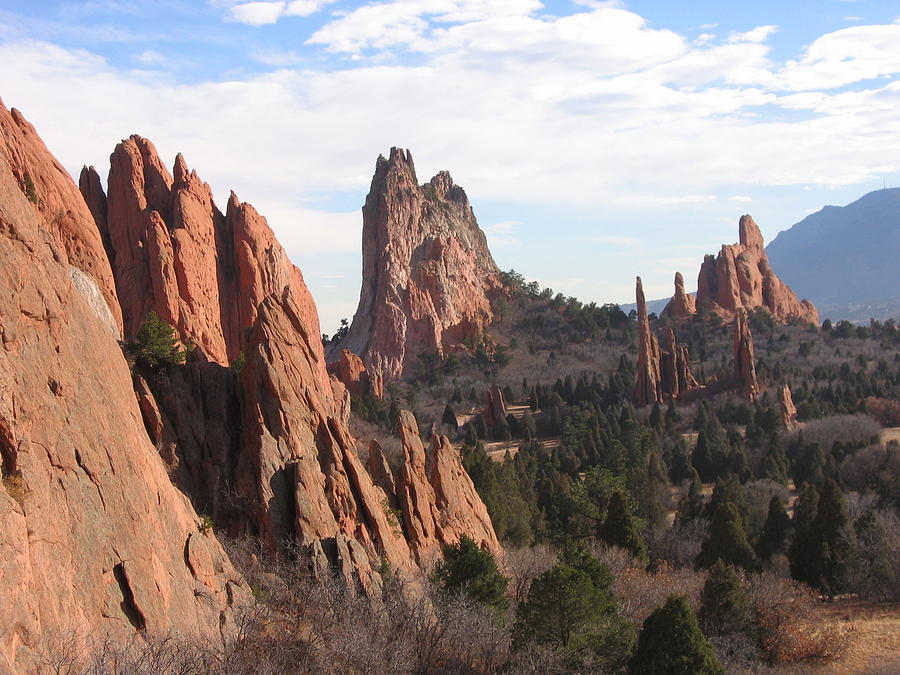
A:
(596, 140)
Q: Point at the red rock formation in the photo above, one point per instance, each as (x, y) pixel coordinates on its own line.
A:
(171, 249)
(787, 407)
(94, 537)
(744, 357)
(682, 305)
(494, 407)
(427, 271)
(661, 373)
(51, 191)
(439, 505)
(740, 277)
(647, 385)
(352, 372)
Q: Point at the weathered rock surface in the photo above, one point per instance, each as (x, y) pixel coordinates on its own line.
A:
(787, 407)
(494, 407)
(352, 372)
(65, 215)
(94, 538)
(427, 272)
(740, 278)
(437, 498)
(744, 357)
(682, 305)
(662, 374)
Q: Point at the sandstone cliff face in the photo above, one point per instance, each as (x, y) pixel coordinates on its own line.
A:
(662, 374)
(744, 357)
(740, 278)
(267, 452)
(787, 407)
(427, 271)
(354, 375)
(64, 213)
(94, 538)
(437, 498)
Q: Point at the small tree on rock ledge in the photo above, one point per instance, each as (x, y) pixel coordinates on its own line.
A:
(155, 344)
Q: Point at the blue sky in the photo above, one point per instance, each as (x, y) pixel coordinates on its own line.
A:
(596, 140)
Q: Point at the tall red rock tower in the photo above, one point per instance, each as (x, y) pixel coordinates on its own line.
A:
(740, 278)
(427, 271)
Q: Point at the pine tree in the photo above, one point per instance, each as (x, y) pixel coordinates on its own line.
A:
(449, 417)
(775, 530)
(802, 552)
(724, 607)
(468, 569)
(727, 540)
(671, 642)
(619, 528)
(831, 529)
(156, 345)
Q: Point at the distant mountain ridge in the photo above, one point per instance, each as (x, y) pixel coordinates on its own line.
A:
(845, 258)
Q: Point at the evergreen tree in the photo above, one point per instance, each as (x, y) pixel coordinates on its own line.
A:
(775, 531)
(156, 345)
(831, 529)
(724, 607)
(727, 540)
(619, 528)
(468, 569)
(449, 417)
(671, 642)
(802, 552)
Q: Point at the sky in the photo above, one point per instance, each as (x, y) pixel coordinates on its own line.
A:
(597, 141)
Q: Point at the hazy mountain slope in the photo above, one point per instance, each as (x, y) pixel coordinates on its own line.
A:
(844, 255)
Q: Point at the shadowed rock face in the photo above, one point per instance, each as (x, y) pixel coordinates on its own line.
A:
(94, 534)
(744, 357)
(662, 374)
(427, 271)
(740, 278)
(268, 451)
(94, 537)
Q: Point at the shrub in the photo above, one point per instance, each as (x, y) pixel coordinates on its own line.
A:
(156, 345)
(671, 643)
(470, 570)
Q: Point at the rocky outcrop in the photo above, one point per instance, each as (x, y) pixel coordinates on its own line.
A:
(427, 272)
(354, 375)
(172, 249)
(662, 374)
(64, 213)
(494, 407)
(787, 408)
(682, 305)
(744, 357)
(740, 278)
(267, 451)
(94, 538)
(437, 498)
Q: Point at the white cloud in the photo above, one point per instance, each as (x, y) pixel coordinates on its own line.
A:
(741, 198)
(262, 12)
(151, 57)
(758, 34)
(257, 13)
(844, 57)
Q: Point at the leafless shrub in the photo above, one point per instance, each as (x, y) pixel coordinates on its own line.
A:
(677, 545)
(870, 467)
(638, 591)
(523, 565)
(845, 428)
(790, 627)
(876, 568)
